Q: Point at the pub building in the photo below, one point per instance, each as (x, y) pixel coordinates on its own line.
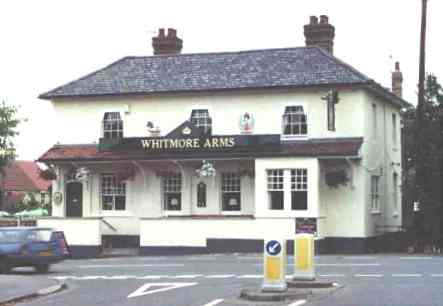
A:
(213, 152)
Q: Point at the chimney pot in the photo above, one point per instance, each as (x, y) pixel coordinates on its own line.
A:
(169, 44)
(172, 33)
(313, 20)
(324, 19)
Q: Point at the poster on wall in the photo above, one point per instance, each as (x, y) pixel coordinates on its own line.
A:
(306, 226)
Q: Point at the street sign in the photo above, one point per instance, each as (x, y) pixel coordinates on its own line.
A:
(274, 266)
(151, 288)
(273, 247)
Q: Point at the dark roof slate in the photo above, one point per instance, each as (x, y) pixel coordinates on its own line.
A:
(270, 68)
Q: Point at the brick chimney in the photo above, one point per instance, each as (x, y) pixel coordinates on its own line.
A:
(397, 81)
(320, 34)
(167, 44)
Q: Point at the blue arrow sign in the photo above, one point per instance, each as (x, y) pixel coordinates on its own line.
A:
(273, 247)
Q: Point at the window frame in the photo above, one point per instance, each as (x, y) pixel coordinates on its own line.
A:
(116, 191)
(394, 130)
(275, 184)
(108, 128)
(375, 194)
(169, 183)
(201, 118)
(395, 193)
(299, 186)
(230, 184)
(374, 121)
(290, 122)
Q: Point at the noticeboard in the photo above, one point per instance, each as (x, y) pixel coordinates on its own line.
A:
(306, 226)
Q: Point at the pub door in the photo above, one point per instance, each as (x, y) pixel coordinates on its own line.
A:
(74, 203)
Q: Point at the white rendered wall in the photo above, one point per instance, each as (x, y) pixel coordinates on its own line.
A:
(78, 231)
(225, 109)
(176, 232)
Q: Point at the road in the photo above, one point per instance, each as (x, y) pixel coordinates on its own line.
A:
(209, 280)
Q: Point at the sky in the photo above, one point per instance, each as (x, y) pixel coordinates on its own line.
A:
(47, 43)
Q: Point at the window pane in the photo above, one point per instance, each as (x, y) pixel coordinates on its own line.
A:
(275, 200)
(107, 202)
(173, 201)
(299, 200)
(120, 203)
(231, 201)
(294, 121)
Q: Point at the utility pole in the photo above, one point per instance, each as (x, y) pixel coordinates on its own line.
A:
(420, 158)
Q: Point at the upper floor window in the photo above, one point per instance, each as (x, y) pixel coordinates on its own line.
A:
(395, 189)
(231, 193)
(374, 121)
(172, 191)
(112, 125)
(394, 129)
(294, 121)
(375, 197)
(113, 192)
(200, 118)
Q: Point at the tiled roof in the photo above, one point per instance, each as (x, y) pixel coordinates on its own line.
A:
(329, 147)
(23, 175)
(270, 68)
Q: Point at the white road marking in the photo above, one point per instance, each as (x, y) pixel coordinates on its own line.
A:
(368, 275)
(188, 276)
(214, 302)
(153, 276)
(348, 264)
(220, 276)
(250, 276)
(298, 303)
(415, 257)
(407, 275)
(436, 275)
(131, 266)
(120, 277)
(332, 275)
(359, 257)
(144, 290)
(152, 258)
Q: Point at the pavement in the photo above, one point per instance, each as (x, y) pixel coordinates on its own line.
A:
(23, 284)
(209, 280)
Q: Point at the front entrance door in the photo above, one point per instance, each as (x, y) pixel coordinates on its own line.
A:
(74, 203)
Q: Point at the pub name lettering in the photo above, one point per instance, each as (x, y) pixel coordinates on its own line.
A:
(192, 143)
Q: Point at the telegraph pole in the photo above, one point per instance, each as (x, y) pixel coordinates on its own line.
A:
(420, 158)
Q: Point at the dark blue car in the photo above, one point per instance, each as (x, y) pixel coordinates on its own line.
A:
(31, 247)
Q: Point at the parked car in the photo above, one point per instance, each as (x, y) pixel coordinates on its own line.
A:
(31, 247)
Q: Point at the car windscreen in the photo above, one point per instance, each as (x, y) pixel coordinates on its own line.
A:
(11, 236)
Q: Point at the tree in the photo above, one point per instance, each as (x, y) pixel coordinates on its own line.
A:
(8, 125)
(427, 149)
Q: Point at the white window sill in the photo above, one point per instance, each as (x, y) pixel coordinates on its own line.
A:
(173, 213)
(293, 137)
(395, 215)
(375, 212)
(232, 213)
(116, 213)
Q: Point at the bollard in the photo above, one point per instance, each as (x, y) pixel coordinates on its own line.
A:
(304, 257)
(274, 266)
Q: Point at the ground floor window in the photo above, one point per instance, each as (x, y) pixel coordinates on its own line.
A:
(275, 189)
(113, 193)
(231, 192)
(172, 191)
(299, 189)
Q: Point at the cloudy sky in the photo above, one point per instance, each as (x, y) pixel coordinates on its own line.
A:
(47, 43)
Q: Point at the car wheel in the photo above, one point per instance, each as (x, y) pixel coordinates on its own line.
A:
(42, 268)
